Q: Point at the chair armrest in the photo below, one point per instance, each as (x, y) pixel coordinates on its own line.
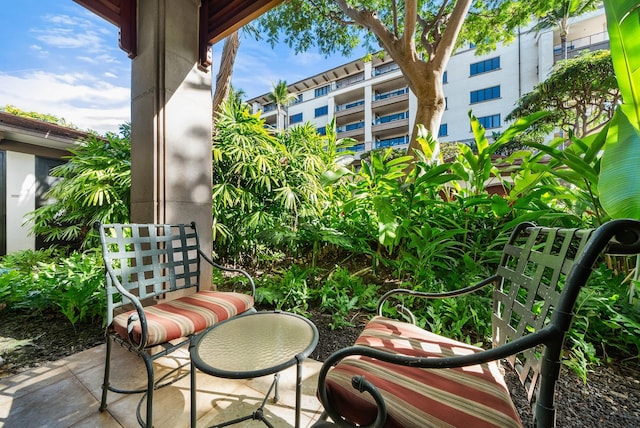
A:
(454, 293)
(135, 301)
(360, 383)
(228, 269)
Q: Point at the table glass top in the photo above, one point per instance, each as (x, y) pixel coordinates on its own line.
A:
(255, 342)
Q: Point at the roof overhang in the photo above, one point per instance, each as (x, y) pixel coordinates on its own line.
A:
(218, 19)
(38, 133)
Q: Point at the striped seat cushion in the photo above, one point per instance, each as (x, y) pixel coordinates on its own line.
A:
(185, 316)
(474, 396)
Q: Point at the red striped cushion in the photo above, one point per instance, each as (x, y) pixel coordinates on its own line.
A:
(468, 397)
(185, 316)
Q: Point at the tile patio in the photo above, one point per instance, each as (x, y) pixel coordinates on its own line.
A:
(66, 393)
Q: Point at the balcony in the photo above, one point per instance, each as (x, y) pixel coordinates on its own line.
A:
(391, 98)
(350, 111)
(391, 123)
(351, 80)
(385, 68)
(392, 142)
(351, 130)
(593, 42)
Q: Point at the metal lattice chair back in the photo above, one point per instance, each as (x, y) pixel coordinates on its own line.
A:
(533, 269)
(149, 260)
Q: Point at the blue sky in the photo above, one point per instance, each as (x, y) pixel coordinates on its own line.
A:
(58, 58)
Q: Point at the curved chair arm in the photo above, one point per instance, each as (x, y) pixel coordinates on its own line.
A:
(228, 269)
(442, 295)
(144, 334)
(542, 336)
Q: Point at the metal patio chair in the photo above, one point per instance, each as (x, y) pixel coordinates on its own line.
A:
(145, 264)
(399, 375)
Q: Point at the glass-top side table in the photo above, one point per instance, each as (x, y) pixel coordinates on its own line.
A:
(254, 345)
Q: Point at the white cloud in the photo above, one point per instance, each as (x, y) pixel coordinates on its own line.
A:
(81, 99)
(306, 58)
(67, 38)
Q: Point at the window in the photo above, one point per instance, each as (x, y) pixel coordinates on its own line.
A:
(484, 66)
(322, 111)
(298, 99)
(324, 90)
(444, 77)
(322, 130)
(444, 130)
(296, 118)
(489, 122)
(485, 94)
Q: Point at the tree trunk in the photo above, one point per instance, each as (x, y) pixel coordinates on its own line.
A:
(223, 79)
(424, 77)
(431, 105)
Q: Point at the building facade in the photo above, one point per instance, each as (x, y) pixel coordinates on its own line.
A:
(29, 149)
(371, 102)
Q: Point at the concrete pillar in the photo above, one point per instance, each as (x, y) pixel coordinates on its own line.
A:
(368, 114)
(171, 120)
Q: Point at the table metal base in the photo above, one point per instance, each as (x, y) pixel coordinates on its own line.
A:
(258, 414)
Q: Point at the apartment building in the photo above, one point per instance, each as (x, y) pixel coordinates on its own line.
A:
(371, 102)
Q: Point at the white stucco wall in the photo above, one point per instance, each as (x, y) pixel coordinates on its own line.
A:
(21, 199)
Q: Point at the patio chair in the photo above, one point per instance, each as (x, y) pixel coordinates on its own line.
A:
(399, 375)
(145, 264)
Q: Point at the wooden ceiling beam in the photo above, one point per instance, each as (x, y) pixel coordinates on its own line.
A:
(218, 19)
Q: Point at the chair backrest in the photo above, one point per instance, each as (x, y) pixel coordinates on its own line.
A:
(148, 260)
(541, 273)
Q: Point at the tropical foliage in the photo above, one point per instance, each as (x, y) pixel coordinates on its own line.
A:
(580, 96)
(93, 186)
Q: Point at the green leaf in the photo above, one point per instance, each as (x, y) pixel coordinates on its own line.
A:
(329, 177)
(619, 185)
(623, 17)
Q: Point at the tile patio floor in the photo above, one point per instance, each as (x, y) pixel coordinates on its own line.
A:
(67, 393)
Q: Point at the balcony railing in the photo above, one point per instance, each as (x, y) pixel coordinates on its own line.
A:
(349, 81)
(391, 118)
(350, 105)
(390, 142)
(391, 94)
(350, 127)
(386, 68)
(354, 148)
(593, 42)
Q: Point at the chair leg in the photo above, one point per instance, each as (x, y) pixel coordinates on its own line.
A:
(148, 362)
(105, 382)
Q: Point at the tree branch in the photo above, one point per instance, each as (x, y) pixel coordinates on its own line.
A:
(369, 20)
(410, 17)
(395, 17)
(454, 24)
